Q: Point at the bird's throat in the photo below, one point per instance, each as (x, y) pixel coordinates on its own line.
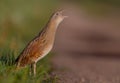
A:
(49, 31)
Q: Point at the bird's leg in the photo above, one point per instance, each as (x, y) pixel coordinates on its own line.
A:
(34, 68)
(30, 70)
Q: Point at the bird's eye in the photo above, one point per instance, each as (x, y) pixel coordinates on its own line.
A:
(57, 14)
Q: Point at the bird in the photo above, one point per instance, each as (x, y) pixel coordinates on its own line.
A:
(40, 45)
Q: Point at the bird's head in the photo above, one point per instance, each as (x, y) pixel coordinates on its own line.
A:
(58, 17)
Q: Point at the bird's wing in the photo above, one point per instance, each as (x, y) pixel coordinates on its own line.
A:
(31, 52)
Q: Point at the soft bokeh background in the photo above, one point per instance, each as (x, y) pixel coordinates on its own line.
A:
(92, 29)
(88, 43)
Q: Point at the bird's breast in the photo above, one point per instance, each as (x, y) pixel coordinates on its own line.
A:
(46, 50)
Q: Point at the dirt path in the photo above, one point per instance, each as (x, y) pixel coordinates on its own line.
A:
(87, 50)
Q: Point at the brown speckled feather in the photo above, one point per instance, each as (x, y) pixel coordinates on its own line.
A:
(35, 48)
(30, 53)
(41, 44)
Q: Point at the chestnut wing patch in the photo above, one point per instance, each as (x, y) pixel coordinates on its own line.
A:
(31, 52)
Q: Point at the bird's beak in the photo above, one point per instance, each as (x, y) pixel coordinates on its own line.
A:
(62, 11)
(65, 16)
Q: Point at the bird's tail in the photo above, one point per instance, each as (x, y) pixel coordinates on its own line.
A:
(17, 64)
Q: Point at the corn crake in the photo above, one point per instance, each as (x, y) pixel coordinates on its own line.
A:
(41, 45)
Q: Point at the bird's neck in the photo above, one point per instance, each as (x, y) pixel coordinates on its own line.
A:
(52, 27)
(49, 31)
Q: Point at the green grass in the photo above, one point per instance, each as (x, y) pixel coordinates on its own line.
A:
(8, 74)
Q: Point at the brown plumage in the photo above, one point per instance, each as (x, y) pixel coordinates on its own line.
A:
(41, 44)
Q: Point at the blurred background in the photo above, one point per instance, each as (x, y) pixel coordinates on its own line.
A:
(87, 44)
(92, 28)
